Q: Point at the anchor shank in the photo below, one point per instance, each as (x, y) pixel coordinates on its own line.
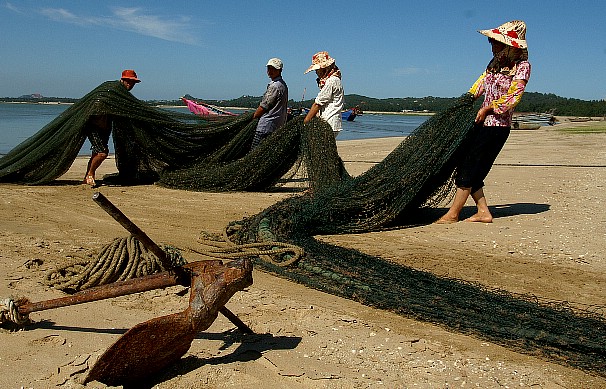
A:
(115, 289)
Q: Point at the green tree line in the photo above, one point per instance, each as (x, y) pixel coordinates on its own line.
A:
(531, 102)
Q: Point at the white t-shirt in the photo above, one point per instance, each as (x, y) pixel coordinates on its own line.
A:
(331, 100)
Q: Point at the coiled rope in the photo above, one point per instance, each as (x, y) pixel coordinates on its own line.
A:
(122, 259)
(126, 258)
(277, 253)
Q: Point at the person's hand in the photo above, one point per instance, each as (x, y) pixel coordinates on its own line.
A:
(313, 111)
(482, 113)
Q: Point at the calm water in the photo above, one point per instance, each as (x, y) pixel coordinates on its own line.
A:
(380, 126)
(20, 121)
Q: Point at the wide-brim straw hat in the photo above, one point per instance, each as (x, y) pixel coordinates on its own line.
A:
(130, 74)
(511, 33)
(320, 60)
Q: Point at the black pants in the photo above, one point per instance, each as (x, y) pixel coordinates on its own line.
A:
(480, 151)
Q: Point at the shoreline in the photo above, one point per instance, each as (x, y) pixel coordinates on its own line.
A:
(563, 124)
(559, 118)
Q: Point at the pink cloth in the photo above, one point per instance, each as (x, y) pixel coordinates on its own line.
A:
(198, 109)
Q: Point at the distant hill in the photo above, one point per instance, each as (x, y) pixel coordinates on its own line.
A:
(35, 96)
(531, 102)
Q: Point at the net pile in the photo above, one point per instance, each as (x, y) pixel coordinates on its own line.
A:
(147, 139)
(174, 149)
(234, 168)
(418, 174)
(554, 330)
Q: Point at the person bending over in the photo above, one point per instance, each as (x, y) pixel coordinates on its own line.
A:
(99, 128)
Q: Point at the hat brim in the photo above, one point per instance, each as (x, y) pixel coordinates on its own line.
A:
(132, 79)
(320, 66)
(312, 67)
(513, 42)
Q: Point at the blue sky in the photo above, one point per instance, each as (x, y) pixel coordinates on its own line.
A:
(218, 49)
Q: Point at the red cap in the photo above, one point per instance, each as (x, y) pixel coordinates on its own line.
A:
(130, 74)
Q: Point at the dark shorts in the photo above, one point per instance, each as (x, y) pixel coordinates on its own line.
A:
(481, 150)
(98, 130)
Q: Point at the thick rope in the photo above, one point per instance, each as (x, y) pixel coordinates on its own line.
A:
(126, 258)
(267, 249)
(9, 312)
(123, 258)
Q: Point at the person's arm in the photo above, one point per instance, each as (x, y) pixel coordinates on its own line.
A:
(509, 100)
(259, 112)
(268, 101)
(315, 108)
(505, 103)
(477, 89)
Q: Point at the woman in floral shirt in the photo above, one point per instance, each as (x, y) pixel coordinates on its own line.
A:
(502, 85)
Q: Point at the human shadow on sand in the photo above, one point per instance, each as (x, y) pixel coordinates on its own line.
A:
(424, 216)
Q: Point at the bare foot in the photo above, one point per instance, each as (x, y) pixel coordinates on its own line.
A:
(480, 218)
(445, 220)
(90, 181)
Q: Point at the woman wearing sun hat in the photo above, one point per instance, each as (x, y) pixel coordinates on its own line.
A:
(331, 99)
(502, 84)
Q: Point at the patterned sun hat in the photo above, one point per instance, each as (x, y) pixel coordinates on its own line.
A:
(320, 60)
(511, 33)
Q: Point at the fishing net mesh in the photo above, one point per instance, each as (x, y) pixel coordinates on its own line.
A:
(147, 140)
(188, 152)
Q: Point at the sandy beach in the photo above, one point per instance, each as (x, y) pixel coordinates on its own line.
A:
(546, 192)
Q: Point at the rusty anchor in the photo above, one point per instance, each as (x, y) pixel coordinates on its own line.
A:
(155, 344)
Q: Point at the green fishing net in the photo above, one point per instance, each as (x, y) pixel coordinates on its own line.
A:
(192, 153)
(147, 140)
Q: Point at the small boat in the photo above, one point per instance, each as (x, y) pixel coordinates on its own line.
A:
(351, 114)
(206, 110)
(348, 115)
(580, 119)
(546, 118)
(525, 126)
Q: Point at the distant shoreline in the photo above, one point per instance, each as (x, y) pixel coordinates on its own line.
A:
(227, 108)
(36, 103)
(398, 113)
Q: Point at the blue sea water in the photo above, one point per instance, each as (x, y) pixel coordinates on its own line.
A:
(20, 121)
(375, 125)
